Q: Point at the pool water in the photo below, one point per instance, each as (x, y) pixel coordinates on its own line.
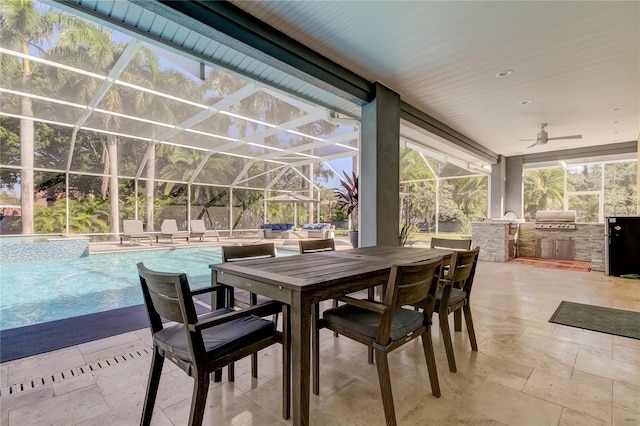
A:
(37, 292)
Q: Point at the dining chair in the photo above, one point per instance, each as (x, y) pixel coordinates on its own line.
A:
(243, 298)
(201, 344)
(453, 297)
(448, 243)
(387, 325)
(316, 246)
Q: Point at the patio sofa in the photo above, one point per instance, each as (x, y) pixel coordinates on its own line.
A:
(287, 231)
(319, 230)
(274, 230)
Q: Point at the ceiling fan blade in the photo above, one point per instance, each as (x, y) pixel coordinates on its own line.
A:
(565, 137)
(527, 140)
(531, 146)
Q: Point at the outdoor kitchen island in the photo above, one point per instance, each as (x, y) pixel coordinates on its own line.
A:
(588, 241)
(496, 239)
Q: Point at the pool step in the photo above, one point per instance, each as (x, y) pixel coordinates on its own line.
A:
(51, 379)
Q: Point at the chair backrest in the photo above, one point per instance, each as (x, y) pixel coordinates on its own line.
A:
(468, 282)
(462, 269)
(130, 226)
(168, 226)
(450, 244)
(410, 284)
(197, 225)
(166, 295)
(232, 253)
(312, 246)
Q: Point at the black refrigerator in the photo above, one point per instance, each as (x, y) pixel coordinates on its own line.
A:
(622, 245)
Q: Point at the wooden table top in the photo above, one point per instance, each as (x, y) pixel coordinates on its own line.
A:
(310, 271)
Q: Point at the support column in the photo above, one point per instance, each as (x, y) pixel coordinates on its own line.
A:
(496, 203)
(513, 186)
(380, 169)
(506, 187)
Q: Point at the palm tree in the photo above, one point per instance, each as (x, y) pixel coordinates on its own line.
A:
(82, 44)
(543, 190)
(147, 72)
(23, 27)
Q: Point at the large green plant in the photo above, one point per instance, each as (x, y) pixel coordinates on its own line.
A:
(347, 197)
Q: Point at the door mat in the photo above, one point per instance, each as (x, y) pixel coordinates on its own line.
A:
(569, 265)
(597, 318)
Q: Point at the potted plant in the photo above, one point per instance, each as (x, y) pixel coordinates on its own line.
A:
(348, 197)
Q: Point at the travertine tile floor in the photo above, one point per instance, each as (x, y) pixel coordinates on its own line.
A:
(527, 371)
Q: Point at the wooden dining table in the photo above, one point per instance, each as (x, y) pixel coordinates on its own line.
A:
(304, 280)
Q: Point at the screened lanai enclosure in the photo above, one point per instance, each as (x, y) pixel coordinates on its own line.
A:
(97, 126)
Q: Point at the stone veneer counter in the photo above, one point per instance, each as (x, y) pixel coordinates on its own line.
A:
(588, 237)
(493, 237)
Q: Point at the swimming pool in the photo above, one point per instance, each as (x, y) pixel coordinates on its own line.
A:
(37, 292)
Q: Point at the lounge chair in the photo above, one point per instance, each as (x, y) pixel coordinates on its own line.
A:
(169, 229)
(199, 230)
(133, 230)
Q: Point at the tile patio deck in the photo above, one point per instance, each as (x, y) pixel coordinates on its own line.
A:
(527, 371)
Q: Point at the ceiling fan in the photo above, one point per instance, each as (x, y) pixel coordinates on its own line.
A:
(543, 137)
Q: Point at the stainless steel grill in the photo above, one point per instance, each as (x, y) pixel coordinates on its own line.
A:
(558, 220)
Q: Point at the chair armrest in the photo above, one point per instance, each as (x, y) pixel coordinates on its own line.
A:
(261, 310)
(365, 304)
(205, 289)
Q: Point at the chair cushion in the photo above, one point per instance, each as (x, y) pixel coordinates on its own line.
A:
(220, 340)
(456, 296)
(366, 322)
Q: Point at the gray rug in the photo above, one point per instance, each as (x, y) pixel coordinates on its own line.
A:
(598, 318)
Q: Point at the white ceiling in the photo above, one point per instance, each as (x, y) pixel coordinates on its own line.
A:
(575, 60)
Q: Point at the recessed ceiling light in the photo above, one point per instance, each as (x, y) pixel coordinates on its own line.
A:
(505, 73)
(526, 101)
(616, 108)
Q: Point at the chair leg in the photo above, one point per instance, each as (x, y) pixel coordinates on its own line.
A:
(286, 363)
(231, 372)
(457, 320)
(446, 338)
(371, 295)
(199, 398)
(152, 387)
(385, 387)
(315, 348)
(254, 365)
(335, 305)
(472, 333)
(427, 345)
(253, 300)
(217, 375)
